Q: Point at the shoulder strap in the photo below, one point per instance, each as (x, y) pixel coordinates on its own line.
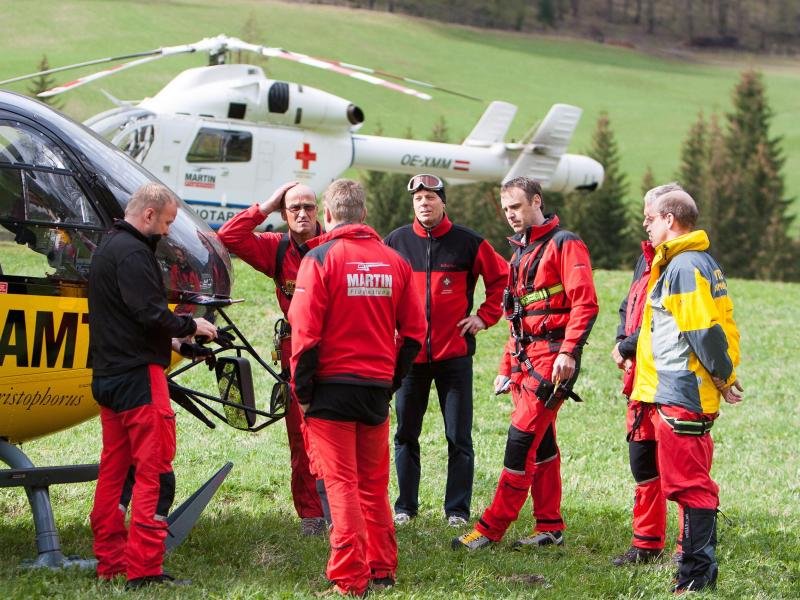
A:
(283, 246)
(538, 247)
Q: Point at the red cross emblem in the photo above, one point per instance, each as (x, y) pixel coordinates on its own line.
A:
(306, 156)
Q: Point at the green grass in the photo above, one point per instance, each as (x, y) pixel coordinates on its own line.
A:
(651, 100)
(247, 543)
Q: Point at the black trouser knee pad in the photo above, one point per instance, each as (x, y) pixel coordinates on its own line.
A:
(518, 445)
(547, 449)
(642, 455)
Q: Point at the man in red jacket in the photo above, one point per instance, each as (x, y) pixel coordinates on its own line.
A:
(278, 256)
(649, 503)
(447, 260)
(551, 305)
(357, 325)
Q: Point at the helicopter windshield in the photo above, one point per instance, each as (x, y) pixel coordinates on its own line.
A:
(60, 210)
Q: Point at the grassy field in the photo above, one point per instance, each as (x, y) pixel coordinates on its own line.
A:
(651, 100)
(247, 544)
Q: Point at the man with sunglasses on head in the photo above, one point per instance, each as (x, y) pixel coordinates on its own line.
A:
(447, 260)
(278, 256)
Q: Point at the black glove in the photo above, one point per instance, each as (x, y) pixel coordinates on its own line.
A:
(197, 352)
(224, 339)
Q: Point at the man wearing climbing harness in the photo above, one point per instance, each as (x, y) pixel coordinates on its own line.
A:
(551, 305)
(686, 356)
(278, 256)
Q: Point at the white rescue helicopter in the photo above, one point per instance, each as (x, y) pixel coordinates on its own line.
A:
(220, 135)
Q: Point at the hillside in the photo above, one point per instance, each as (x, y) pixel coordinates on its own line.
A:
(651, 100)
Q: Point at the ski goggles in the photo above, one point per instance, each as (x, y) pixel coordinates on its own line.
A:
(429, 182)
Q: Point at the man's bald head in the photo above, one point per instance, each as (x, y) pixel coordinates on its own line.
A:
(299, 192)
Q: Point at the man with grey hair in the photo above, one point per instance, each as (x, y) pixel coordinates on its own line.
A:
(130, 331)
(649, 504)
(686, 355)
(356, 326)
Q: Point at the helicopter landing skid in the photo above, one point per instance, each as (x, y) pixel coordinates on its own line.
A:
(37, 482)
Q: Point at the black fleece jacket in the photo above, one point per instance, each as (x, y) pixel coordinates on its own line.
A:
(130, 324)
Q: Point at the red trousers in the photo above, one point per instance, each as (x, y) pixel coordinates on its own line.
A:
(541, 478)
(684, 462)
(304, 472)
(355, 463)
(649, 503)
(143, 439)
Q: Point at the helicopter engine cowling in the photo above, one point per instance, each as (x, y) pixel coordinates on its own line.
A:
(304, 106)
(242, 92)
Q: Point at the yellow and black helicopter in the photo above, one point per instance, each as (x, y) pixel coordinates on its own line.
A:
(61, 187)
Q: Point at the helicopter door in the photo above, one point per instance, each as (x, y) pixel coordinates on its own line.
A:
(218, 173)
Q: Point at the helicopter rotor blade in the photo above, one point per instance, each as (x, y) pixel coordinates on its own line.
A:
(87, 63)
(326, 65)
(59, 89)
(406, 79)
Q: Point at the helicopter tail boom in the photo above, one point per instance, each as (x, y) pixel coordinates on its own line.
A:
(484, 156)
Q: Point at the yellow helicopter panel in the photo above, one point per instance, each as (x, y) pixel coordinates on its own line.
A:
(45, 384)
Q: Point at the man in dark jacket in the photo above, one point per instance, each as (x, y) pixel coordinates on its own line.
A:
(447, 260)
(356, 326)
(130, 332)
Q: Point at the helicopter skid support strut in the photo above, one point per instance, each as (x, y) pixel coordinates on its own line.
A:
(37, 482)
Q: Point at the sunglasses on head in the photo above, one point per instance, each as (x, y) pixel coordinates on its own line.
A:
(429, 182)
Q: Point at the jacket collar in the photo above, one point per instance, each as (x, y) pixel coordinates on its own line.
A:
(151, 241)
(437, 231)
(534, 232)
(348, 231)
(693, 241)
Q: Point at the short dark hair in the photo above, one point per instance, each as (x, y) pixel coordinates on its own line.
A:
(681, 205)
(530, 187)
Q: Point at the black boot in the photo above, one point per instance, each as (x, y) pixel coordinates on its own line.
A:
(698, 566)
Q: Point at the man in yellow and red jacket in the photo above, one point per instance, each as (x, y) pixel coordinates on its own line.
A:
(686, 356)
(447, 260)
(551, 304)
(357, 325)
(278, 256)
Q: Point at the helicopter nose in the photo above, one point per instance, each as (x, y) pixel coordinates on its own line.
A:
(355, 115)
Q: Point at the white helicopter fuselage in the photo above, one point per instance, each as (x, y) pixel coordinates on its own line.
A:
(224, 137)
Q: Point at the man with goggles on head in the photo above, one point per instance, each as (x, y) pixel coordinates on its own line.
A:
(278, 256)
(447, 260)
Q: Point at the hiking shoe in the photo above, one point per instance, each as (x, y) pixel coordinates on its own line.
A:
(471, 541)
(381, 583)
(540, 538)
(456, 521)
(312, 526)
(634, 555)
(163, 579)
(402, 518)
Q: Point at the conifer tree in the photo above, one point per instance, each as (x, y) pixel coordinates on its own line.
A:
(601, 218)
(43, 83)
(753, 236)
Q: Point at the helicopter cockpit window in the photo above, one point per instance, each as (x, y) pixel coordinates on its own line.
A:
(221, 145)
(19, 145)
(43, 207)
